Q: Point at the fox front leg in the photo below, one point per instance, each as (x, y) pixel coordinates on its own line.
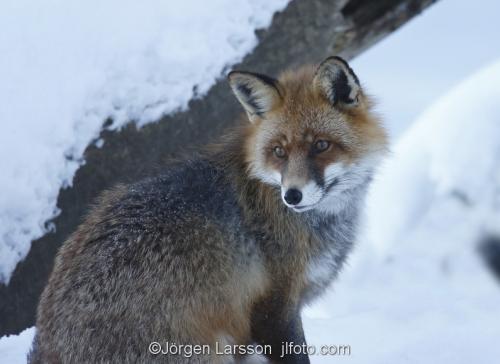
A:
(281, 330)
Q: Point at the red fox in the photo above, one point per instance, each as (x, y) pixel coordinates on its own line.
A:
(223, 249)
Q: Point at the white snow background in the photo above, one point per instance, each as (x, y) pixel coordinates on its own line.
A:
(14, 348)
(65, 66)
(415, 290)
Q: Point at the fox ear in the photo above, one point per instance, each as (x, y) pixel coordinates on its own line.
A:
(337, 81)
(257, 93)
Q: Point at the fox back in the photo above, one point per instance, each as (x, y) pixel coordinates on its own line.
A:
(224, 248)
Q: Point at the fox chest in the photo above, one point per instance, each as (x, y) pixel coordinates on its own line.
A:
(326, 260)
(308, 261)
(307, 274)
(319, 271)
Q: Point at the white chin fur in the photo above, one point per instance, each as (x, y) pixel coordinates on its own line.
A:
(304, 209)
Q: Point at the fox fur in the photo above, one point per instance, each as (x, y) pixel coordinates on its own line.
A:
(216, 248)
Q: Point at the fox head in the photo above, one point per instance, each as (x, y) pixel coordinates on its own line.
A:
(311, 133)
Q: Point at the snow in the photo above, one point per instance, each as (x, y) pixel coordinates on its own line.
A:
(433, 52)
(416, 290)
(67, 66)
(15, 348)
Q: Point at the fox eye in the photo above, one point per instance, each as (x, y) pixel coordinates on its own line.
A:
(321, 146)
(279, 152)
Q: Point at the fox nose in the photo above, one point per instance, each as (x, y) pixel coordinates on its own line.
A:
(293, 196)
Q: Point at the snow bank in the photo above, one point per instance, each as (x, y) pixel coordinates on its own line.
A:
(415, 65)
(453, 149)
(67, 66)
(417, 291)
(15, 348)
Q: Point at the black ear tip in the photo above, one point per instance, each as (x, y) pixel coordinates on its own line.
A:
(235, 73)
(340, 59)
(231, 75)
(338, 81)
(334, 59)
(344, 64)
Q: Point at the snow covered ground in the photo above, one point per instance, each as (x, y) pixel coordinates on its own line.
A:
(14, 348)
(66, 66)
(416, 290)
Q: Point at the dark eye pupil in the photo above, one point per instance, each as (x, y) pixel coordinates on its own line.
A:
(280, 152)
(322, 145)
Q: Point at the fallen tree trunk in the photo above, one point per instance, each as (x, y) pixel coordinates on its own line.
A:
(306, 31)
